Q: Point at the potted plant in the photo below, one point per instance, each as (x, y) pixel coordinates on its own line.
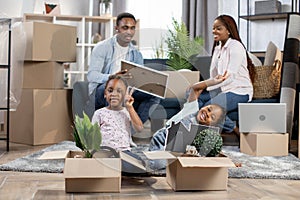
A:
(87, 136)
(208, 142)
(181, 47)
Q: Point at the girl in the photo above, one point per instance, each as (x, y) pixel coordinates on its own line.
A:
(117, 119)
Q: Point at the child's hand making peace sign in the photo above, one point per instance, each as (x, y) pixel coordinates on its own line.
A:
(129, 100)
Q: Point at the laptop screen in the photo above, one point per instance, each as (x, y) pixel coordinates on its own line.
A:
(262, 117)
(145, 79)
(180, 136)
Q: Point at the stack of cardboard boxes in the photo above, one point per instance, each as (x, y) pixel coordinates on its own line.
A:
(263, 129)
(44, 113)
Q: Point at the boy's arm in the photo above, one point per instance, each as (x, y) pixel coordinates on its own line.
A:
(197, 88)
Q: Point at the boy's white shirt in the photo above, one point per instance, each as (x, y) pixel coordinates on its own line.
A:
(188, 108)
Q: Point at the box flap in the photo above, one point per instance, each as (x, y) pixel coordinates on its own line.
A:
(132, 160)
(205, 162)
(92, 167)
(51, 155)
(155, 155)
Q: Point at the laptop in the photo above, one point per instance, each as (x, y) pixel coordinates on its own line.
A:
(145, 79)
(179, 136)
(262, 117)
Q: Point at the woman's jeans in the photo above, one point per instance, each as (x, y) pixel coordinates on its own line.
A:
(229, 101)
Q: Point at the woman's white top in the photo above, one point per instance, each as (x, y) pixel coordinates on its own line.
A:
(233, 59)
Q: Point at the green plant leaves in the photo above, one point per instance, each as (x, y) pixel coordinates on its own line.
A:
(208, 142)
(181, 46)
(87, 135)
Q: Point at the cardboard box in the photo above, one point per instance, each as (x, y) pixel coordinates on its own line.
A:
(194, 173)
(179, 81)
(42, 117)
(96, 175)
(50, 42)
(43, 75)
(264, 144)
(92, 174)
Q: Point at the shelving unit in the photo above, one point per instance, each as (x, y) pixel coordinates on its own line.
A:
(77, 71)
(250, 16)
(7, 66)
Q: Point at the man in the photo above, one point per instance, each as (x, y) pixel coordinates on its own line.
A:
(106, 60)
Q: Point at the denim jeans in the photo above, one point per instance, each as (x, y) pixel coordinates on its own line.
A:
(128, 168)
(229, 101)
(142, 102)
(157, 143)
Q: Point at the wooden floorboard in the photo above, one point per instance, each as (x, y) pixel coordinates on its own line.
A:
(26, 185)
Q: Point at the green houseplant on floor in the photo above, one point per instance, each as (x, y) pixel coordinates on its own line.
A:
(87, 136)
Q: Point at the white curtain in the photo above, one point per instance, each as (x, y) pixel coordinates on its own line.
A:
(199, 15)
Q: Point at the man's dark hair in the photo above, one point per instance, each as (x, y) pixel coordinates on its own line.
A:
(124, 15)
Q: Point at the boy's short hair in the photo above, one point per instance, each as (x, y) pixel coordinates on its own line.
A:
(124, 15)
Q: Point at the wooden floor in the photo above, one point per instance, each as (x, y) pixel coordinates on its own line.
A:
(23, 186)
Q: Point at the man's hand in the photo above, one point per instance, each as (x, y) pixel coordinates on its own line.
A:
(124, 73)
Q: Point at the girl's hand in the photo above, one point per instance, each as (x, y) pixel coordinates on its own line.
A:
(136, 122)
(129, 100)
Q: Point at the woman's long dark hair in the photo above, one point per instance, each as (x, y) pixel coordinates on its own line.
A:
(232, 28)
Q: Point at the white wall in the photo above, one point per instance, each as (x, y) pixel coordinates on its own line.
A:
(16, 8)
(155, 19)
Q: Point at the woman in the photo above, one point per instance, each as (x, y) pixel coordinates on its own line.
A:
(230, 55)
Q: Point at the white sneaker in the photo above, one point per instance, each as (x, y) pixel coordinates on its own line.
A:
(147, 124)
(132, 144)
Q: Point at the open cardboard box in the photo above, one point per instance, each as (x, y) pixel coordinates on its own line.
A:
(91, 174)
(194, 173)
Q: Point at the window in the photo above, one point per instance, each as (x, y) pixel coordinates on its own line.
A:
(155, 17)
